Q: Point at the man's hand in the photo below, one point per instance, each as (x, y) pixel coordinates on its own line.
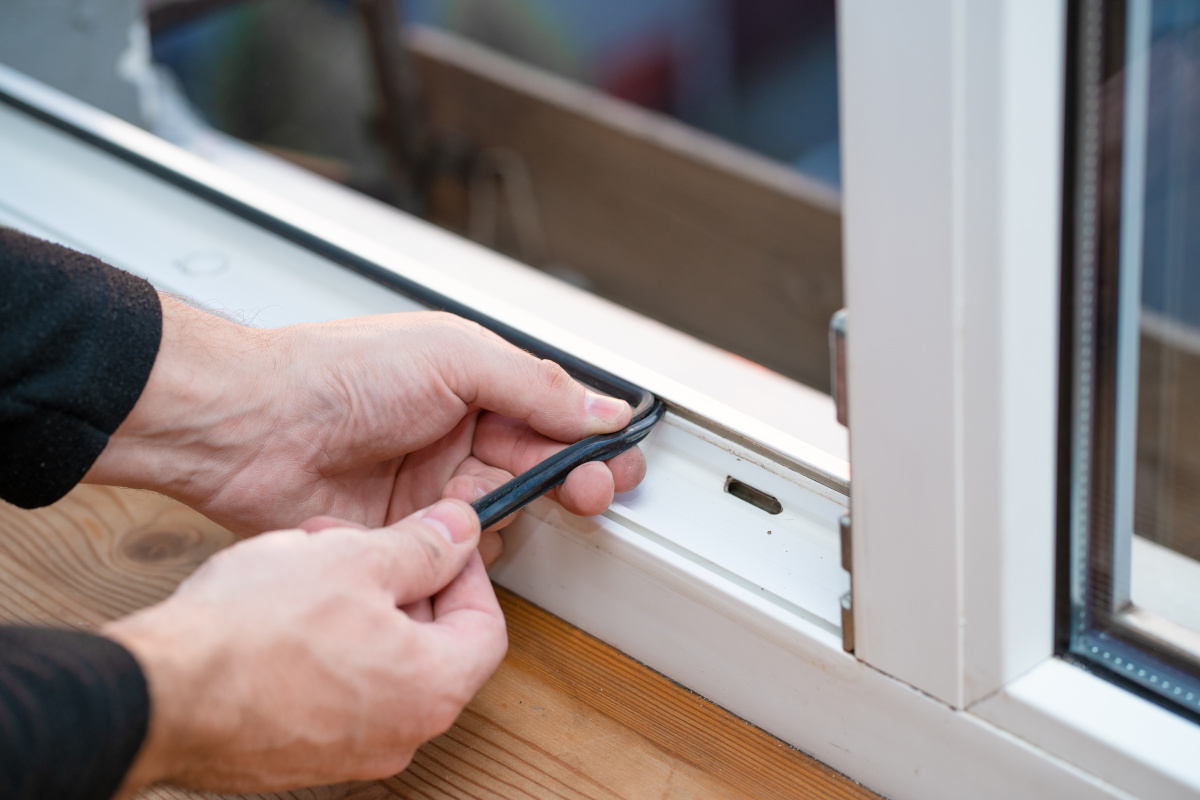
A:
(365, 419)
(286, 660)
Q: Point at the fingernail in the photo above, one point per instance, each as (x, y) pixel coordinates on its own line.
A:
(602, 407)
(450, 520)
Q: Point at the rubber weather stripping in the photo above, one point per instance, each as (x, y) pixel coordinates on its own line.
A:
(535, 482)
(521, 490)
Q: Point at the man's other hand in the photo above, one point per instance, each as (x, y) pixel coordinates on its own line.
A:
(315, 655)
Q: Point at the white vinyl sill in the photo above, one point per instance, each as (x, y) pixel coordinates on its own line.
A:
(687, 595)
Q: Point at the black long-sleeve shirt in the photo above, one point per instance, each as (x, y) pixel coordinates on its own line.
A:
(77, 341)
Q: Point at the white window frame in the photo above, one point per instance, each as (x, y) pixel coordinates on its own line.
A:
(952, 133)
(952, 140)
(952, 115)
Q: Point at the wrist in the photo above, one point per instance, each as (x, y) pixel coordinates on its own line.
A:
(152, 763)
(204, 390)
(177, 674)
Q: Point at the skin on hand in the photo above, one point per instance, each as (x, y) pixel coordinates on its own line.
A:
(365, 420)
(315, 655)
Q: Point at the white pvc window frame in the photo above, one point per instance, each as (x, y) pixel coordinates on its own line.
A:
(952, 136)
(952, 139)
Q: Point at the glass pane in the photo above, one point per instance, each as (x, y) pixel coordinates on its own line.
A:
(1164, 90)
(1133, 609)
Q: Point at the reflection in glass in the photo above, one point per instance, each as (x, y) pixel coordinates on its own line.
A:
(1164, 90)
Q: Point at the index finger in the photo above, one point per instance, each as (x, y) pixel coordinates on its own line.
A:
(491, 373)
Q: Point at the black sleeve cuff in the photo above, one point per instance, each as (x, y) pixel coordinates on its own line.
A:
(77, 341)
(74, 709)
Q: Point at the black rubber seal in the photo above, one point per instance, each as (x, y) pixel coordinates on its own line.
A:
(535, 482)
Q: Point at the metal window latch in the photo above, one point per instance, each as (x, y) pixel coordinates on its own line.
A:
(837, 365)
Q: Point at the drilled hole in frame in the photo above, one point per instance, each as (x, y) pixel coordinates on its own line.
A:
(755, 497)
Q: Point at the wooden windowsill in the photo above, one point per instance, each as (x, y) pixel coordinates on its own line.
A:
(566, 716)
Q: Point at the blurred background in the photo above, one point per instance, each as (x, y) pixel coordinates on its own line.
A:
(293, 73)
(677, 157)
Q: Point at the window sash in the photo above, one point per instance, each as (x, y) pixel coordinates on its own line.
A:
(952, 141)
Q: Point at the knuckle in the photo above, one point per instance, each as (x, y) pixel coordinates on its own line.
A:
(454, 324)
(384, 765)
(458, 486)
(470, 326)
(455, 344)
(498, 647)
(554, 378)
(443, 715)
(449, 694)
(428, 553)
(398, 762)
